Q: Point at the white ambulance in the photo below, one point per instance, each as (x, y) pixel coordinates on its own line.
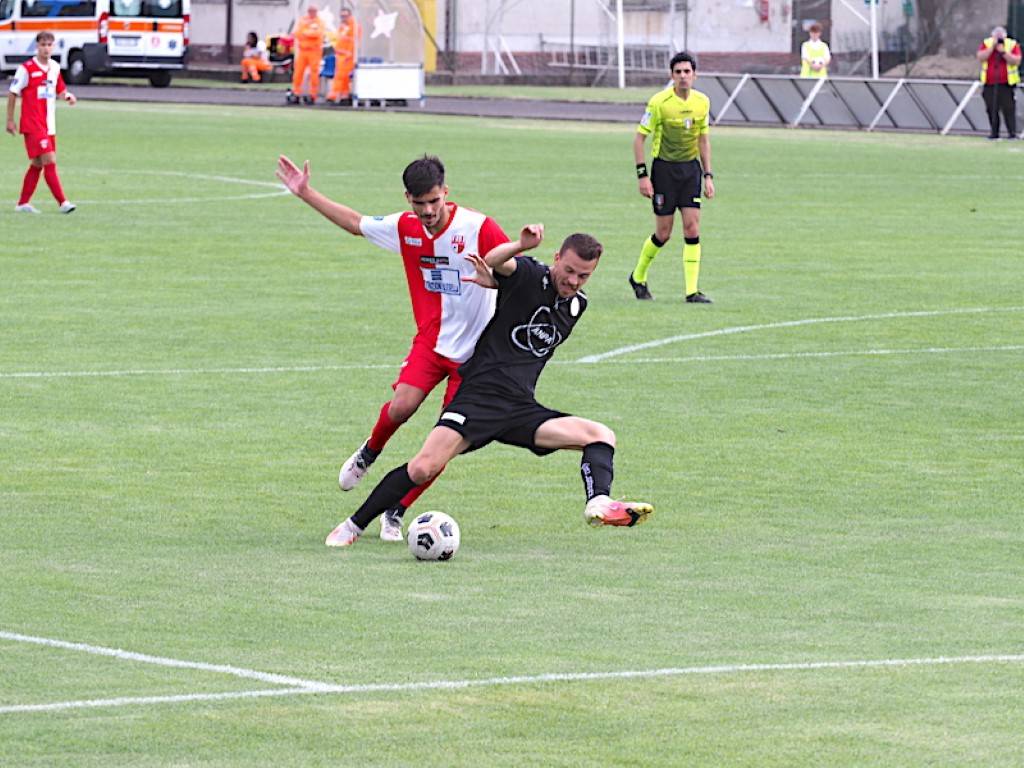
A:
(126, 38)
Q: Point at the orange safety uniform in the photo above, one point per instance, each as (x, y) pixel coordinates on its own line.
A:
(309, 45)
(254, 61)
(345, 47)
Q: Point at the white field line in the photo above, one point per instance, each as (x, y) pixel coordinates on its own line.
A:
(789, 324)
(117, 653)
(569, 677)
(278, 189)
(389, 366)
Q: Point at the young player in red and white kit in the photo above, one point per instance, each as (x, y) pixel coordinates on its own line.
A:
(435, 240)
(39, 83)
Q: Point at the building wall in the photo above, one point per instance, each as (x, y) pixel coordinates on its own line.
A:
(725, 28)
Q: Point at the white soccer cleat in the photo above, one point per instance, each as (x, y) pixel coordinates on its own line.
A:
(391, 526)
(353, 470)
(26, 208)
(344, 535)
(67, 206)
(601, 510)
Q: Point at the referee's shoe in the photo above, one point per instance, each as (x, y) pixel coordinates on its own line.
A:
(601, 510)
(697, 298)
(640, 290)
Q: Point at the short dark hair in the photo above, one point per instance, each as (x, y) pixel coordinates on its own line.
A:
(585, 246)
(815, 27)
(45, 37)
(682, 56)
(423, 174)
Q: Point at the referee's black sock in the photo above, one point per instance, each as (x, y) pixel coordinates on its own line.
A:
(596, 469)
(387, 494)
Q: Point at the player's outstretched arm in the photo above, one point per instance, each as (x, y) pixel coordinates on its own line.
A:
(501, 257)
(297, 182)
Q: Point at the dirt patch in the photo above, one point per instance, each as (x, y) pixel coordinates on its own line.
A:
(939, 66)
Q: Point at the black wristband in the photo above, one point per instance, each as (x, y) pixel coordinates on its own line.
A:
(641, 170)
(708, 175)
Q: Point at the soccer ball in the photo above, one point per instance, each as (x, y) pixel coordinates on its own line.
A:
(433, 536)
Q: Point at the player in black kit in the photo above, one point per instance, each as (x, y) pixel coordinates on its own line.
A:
(538, 306)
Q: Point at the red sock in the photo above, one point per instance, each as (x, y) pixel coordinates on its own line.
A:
(53, 181)
(383, 429)
(28, 186)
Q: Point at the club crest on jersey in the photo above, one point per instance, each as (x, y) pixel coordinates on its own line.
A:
(459, 243)
(688, 123)
(539, 336)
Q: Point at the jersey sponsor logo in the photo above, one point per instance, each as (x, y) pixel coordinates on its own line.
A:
(46, 91)
(458, 418)
(445, 280)
(413, 240)
(539, 336)
(433, 261)
(459, 243)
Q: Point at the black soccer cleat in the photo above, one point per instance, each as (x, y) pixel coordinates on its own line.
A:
(697, 298)
(640, 290)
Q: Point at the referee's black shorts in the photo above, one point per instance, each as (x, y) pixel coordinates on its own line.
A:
(676, 185)
(483, 417)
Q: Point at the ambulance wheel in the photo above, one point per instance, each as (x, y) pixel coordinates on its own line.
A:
(160, 79)
(78, 73)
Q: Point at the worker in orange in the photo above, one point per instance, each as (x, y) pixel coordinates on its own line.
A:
(309, 52)
(345, 46)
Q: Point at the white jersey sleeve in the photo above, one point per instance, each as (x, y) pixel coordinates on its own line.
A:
(382, 231)
(20, 80)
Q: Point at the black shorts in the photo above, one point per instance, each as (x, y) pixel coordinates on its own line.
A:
(676, 185)
(482, 417)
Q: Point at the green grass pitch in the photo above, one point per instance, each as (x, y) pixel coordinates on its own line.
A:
(833, 448)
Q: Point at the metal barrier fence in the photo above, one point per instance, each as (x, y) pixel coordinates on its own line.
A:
(939, 106)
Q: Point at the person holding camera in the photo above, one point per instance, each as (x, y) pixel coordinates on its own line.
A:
(1000, 58)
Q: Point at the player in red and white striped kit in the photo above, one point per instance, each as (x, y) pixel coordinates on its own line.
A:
(434, 239)
(39, 83)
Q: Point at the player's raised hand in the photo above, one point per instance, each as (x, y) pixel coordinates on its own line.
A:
(295, 180)
(531, 236)
(483, 276)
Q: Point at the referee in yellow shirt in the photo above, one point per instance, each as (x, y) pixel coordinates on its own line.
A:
(677, 117)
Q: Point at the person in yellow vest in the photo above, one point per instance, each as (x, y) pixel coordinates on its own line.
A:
(1000, 61)
(677, 117)
(345, 46)
(309, 51)
(814, 54)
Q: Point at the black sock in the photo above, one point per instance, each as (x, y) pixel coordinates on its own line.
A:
(387, 494)
(657, 243)
(691, 240)
(596, 469)
(399, 510)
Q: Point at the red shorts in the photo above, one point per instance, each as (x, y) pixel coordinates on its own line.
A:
(424, 369)
(37, 144)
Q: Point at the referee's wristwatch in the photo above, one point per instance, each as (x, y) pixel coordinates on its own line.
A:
(708, 175)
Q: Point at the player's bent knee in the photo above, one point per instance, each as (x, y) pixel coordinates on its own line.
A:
(423, 470)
